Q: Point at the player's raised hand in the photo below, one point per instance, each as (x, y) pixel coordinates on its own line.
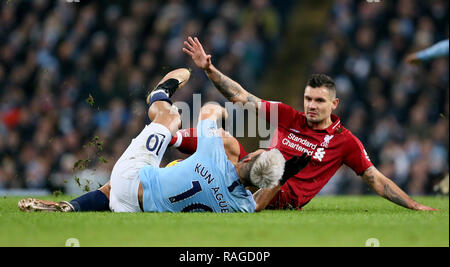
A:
(412, 59)
(293, 166)
(194, 48)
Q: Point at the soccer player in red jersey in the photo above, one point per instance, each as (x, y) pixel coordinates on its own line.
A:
(316, 131)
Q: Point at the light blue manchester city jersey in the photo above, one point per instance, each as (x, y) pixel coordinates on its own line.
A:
(205, 181)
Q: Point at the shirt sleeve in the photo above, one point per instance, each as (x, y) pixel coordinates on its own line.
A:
(277, 113)
(438, 50)
(356, 156)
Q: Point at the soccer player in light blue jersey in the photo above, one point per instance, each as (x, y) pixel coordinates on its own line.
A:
(439, 49)
(212, 179)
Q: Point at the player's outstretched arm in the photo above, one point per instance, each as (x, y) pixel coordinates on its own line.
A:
(439, 49)
(386, 188)
(232, 90)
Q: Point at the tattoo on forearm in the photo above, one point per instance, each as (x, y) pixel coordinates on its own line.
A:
(226, 87)
(387, 189)
(393, 196)
(231, 89)
(370, 179)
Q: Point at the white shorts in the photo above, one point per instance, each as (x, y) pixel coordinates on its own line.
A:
(147, 148)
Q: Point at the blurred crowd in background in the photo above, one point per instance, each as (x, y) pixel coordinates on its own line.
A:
(73, 80)
(74, 76)
(399, 111)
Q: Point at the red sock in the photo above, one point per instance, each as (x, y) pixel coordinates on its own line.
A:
(185, 141)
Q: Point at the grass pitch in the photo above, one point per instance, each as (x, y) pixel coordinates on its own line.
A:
(325, 221)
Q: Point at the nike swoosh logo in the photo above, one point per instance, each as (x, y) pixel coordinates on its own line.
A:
(294, 130)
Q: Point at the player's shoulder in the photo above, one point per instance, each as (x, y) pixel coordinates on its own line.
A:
(344, 133)
(351, 140)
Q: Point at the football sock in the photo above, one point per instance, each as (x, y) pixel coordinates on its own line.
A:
(160, 96)
(185, 141)
(91, 201)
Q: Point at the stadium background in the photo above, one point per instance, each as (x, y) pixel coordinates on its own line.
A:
(73, 78)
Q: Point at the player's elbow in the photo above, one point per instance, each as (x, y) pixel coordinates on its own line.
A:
(259, 207)
(375, 179)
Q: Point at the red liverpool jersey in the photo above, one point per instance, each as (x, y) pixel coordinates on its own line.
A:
(329, 148)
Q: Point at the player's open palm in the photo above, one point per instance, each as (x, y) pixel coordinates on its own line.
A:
(194, 48)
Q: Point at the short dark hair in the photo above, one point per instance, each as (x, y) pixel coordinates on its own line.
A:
(319, 80)
(322, 80)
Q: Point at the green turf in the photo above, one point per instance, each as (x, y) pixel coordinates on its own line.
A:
(325, 221)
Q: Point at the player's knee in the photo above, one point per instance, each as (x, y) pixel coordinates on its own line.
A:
(176, 121)
(153, 111)
(171, 120)
(162, 108)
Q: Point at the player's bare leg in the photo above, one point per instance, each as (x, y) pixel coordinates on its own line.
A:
(164, 113)
(161, 111)
(105, 189)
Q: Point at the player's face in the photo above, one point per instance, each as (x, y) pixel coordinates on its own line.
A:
(318, 104)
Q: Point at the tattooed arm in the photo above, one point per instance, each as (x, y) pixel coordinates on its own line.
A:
(386, 188)
(229, 88)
